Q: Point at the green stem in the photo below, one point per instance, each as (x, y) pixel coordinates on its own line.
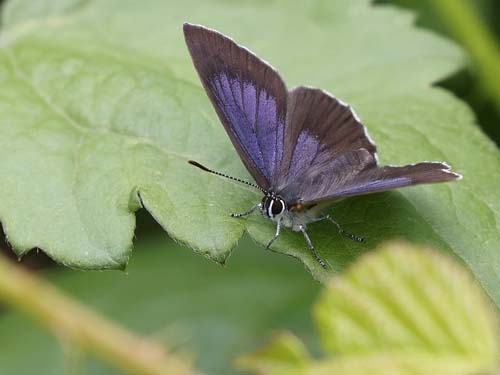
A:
(465, 25)
(75, 323)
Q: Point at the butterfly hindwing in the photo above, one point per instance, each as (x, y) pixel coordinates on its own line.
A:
(377, 179)
(248, 95)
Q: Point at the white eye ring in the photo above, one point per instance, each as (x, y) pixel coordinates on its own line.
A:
(270, 209)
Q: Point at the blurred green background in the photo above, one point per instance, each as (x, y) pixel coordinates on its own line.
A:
(208, 312)
(467, 83)
(213, 313)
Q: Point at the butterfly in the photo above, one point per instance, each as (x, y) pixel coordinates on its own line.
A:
(304, 147)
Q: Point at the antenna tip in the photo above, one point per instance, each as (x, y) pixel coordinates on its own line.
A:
(196, 164)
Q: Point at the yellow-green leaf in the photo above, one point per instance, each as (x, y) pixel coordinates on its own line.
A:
(285, 355)
(401, 310)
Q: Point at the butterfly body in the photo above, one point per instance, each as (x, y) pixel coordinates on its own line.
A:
(304, 148)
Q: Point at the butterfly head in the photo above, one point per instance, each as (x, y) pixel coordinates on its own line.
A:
(272, 205)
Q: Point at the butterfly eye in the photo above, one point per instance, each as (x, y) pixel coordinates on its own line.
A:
(278, 207)
(272, 206)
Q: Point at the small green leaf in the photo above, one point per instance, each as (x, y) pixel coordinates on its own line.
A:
(285, 355)
(400, 310)
(100, 108)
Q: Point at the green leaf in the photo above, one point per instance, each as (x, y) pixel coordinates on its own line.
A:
(400, 310)
(203, 311)
(99, 101)
(285, 355)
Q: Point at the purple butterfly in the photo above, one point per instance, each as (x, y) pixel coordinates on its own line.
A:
(303, 147)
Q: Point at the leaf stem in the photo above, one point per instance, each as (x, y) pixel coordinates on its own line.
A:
(83, 327)
(463, 22)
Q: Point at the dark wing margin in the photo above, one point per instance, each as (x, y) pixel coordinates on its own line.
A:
(377, 179)
(248, 95)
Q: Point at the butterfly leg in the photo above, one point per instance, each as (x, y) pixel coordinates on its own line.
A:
(246, 213)
(278, 230)
(311, 247)
(342, 230)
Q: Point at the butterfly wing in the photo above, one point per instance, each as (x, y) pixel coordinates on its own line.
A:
(389, 177)
(248, 95)
(319, 187)
(322, 136)
(329, 155)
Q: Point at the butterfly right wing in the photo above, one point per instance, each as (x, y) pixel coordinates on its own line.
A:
(329, 155)
(319, 130)
(248, 95)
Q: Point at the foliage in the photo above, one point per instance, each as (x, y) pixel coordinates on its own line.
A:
(473, 24)
(199, 310)
(100, 108)
(400, 310)
(97, 109)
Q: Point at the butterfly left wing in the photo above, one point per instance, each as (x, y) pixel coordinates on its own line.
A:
(248, 95)
(329, 155)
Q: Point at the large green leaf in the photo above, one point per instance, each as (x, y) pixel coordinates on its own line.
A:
(399, 310)
(99, 101)
(208, 313)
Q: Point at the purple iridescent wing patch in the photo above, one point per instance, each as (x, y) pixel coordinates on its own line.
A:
(248, 95)
(252, 115)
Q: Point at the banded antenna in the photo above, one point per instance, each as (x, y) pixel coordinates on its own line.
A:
(202, 167)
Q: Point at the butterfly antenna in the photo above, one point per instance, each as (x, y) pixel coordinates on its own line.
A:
(202, 167)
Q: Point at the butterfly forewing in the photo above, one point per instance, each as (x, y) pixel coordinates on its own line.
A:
(249, 97)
